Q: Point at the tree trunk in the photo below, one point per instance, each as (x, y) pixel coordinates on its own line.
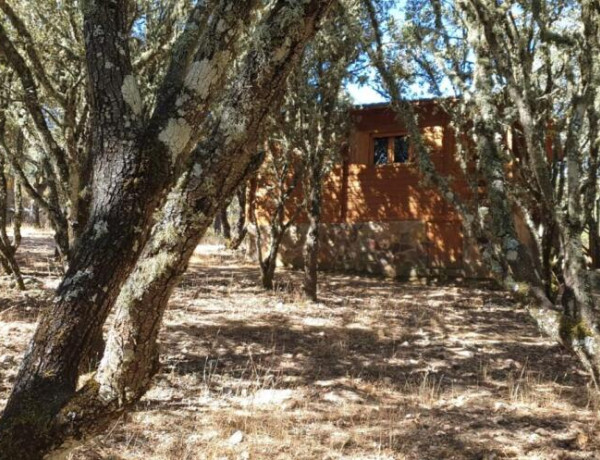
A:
(132, 165)
(130, 360)
(225, 227)
(311, 243)
(268, 264)
(594, 236)
(267, 274)
(240, 225)
(8, 247)
(18, 214)
(217, 226)
(130, 357)
(39, 188)
(311, 251)
(36, 219)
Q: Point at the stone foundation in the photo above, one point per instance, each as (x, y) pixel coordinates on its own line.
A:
(398, 249)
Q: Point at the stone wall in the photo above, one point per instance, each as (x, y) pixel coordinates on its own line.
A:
(397, 249)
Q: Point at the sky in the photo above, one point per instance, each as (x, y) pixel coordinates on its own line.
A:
(364, 94)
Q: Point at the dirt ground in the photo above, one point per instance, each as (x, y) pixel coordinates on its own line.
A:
(376, 370)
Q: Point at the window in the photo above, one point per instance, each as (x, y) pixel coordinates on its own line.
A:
(401, 153)
(391, 149)
(381, 150)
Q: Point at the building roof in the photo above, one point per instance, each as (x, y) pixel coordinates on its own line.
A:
(388, 105)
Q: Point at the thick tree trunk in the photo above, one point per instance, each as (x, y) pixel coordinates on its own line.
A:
(130, 358)
(132, 165)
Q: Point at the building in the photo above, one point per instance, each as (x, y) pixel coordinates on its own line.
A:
(377, 216)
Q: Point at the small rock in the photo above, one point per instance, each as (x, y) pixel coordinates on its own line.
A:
(342, 397)
(236, 438)
(266, 397)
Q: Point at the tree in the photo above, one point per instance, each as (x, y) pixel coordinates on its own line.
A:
(8, 246)
(305, 142)
(322, 126)
(519, 71)
(221, 223)
(133, 162)
(131, 356)
(46, 98)
(276, 195)
(240, 224)
(121, 258)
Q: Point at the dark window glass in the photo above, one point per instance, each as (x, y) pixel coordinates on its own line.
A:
(381, 150)
(401, 146)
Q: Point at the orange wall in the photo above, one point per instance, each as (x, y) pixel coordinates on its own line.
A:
(359, 191)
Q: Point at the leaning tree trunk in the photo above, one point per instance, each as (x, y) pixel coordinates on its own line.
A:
(575, 324)
(132, 165)
(131, 355)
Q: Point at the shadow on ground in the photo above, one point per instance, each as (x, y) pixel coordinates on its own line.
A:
(377, 369)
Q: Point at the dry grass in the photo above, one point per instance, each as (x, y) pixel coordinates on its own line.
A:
(376, 370)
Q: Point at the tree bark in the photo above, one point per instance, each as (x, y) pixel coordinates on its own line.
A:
(130, 358)
(8, 248)
(225, 227)
(277, 230)
(132, 165)
(240, 225)
(311, 243)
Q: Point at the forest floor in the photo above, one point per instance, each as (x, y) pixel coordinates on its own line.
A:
(377, 370)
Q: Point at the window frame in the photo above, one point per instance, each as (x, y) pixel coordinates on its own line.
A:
(390, 148)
